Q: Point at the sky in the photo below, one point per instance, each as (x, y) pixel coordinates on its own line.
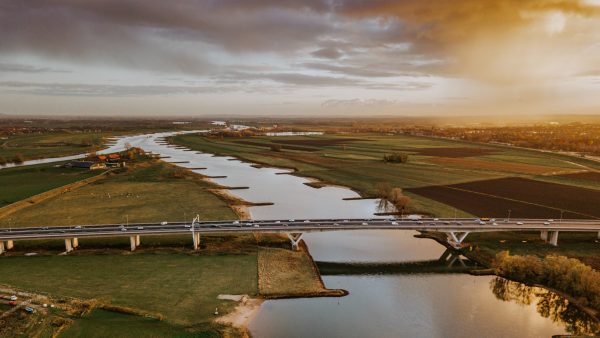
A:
(292, 58)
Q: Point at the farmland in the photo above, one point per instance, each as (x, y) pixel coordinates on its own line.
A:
(147, 193)
(525, 198)
(51, 144)
(355, 161)
(22, 182)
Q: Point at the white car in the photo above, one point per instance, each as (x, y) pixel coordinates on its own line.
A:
(546, 223)
(394, 223)
(140, 228)
(306, 221)
(292, 220)
(365, 223)
(256, 226)
(550, 220)
(494, 223)
(277, 222)
(519, 223)
(187, 226)
(164, 223)
(236, 222)
(13, 297)
(481, 223)
(123, 229)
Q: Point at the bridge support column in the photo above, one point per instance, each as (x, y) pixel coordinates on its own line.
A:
(132, 243)
(196, 240)
(544, 235)
(455, 238)
(137, 240)
(75, 242)
(1, 247)
(554, 238)
(68, 245)
(598, 234)
(295, 239)
(10, 244)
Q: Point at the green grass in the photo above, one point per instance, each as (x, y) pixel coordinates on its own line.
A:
(51, 144)
(22, 182)
(154, 192)
(182, 287)
(100, 324)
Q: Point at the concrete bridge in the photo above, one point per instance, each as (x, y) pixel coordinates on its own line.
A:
(456, 229)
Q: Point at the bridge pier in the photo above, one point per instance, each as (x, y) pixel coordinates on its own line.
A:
(68, 245)
(137, 240)
(1, 247)
(544, 235)
(455, 238)
(75, 242)
(132, 243)
(196, 240)
(10, 244)
(295, 239)
(554, 238)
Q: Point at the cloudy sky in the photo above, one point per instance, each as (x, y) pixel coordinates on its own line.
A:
(313, 57)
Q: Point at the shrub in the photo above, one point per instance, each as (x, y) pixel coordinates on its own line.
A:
(395, 158)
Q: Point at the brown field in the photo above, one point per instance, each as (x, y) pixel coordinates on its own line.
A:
(524, 197)
(451, 152)
(593, 176)
(476, 163)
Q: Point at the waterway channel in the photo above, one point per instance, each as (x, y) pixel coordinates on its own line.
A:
(378, 305)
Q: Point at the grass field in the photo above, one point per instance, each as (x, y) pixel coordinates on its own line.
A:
(100, 324)
(22, 182)
(356, 161)
(181, 287)
(152, 192)
(52, 144)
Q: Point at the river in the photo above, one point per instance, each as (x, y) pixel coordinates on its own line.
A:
(379, 305)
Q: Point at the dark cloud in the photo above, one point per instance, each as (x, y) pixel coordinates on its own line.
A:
(22, 68)
(327, 53)
(101, 90)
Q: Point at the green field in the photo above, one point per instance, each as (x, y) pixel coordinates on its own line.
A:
(51, 144)
(22, 182)
(356, 161)
(151, 192)
(101, 324)
(181, 287)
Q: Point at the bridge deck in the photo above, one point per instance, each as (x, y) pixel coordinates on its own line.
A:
(299, 226)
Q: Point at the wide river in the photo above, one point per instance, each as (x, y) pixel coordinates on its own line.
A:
(380, 305)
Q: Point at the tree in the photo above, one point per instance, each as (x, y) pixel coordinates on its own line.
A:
(18, 159)
(2, 161)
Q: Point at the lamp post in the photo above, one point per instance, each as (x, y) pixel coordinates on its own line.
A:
(508, 219)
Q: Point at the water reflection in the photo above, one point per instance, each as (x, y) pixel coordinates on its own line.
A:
(548, 304)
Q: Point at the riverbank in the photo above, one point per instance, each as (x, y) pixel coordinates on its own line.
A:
(482, 257)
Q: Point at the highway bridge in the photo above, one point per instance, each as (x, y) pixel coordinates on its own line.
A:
(456, 229)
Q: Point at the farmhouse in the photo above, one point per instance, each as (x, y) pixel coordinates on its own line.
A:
(86, 164)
